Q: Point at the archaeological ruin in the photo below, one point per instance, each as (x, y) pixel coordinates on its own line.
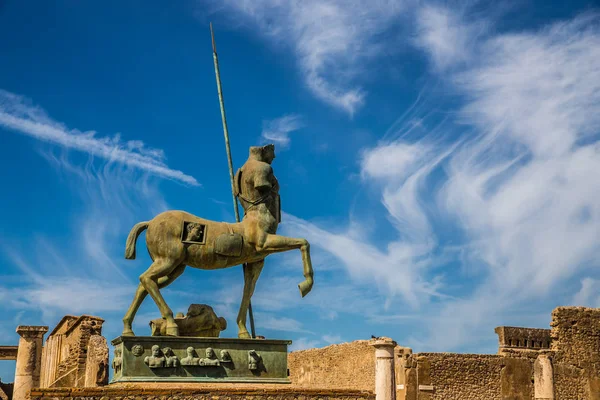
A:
(561, 363)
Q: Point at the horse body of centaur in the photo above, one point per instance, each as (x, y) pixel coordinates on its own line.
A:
(176, 239)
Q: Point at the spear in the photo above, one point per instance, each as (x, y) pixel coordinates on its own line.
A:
(226, 133)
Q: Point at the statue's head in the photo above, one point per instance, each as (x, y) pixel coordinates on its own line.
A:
(118, 352)
(168, 351)
(156, 350)
(190, 351)
(264, 153)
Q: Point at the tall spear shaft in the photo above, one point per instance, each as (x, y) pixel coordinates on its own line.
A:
(226, 133)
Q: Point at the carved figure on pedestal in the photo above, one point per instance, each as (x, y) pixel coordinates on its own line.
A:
(171, 359)
(157, 359)
(225, 357)
(191, 358)
(218, 245)
(117, 361)
(210, 359)
(254, 360)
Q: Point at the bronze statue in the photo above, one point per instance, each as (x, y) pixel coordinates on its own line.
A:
(176, 239)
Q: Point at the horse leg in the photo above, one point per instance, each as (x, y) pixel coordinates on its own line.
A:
(277, 244)
(160, 268)
(140, 295)
(251, 274)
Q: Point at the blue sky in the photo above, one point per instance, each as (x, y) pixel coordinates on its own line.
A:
(441, 158)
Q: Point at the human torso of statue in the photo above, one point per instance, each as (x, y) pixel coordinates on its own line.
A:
(258, 192)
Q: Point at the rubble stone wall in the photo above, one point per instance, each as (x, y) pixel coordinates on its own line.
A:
(459, 376)
(347, 365)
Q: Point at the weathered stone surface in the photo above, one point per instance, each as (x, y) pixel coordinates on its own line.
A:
(8, 352)
(385, 384)
(525, 339)
(543, 378)
(65, 355)
(201, 393)
(27, 370)
(200, 321)
(96, 363)
(6, 390)
(346, 365)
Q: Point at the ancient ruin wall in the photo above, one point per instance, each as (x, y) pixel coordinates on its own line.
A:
(459, 376)
(204, 393)
(347, 365)
(576, 337)
(576, 344)
(65, 355)
(570, 383)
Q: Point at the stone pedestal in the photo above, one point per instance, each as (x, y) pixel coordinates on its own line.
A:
(193, 359)
(385, 382)
(29, 360)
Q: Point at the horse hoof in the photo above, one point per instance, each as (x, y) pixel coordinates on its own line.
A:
(244, 335)
(127, 332)
(172, 330)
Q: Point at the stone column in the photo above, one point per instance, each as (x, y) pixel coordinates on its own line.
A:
(543, 378)
(385, 382)
(29, 358)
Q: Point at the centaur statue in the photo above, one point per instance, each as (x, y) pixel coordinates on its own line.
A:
(176, 239)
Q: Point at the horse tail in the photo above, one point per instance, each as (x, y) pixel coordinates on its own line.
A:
(132, 238)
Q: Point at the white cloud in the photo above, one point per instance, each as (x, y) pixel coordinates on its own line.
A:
(332, 39)
(332, 339)
(82, 259)
(278, 130)
(518, 188)
(589, 294)
(445, 35)
(276, 323)
(304, 344)
(19, 115)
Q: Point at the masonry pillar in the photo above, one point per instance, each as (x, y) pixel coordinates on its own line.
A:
(543, 378)
(385, 382)
(29, 359)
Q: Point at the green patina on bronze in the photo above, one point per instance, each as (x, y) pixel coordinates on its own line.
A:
(231, 360)
(177, 239)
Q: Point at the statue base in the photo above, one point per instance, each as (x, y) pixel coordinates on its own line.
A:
(196, 359)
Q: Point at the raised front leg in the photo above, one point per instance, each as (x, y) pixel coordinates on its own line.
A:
(278, 244)
(251, 274)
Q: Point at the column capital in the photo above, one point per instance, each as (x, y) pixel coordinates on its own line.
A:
(382, 342)
(27, 331)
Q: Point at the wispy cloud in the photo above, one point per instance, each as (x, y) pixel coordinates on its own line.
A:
(513, 176)
(18, 114)
(85, 260)
(446, 36)
(278, 130)
(332, 39)
(304, 343)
